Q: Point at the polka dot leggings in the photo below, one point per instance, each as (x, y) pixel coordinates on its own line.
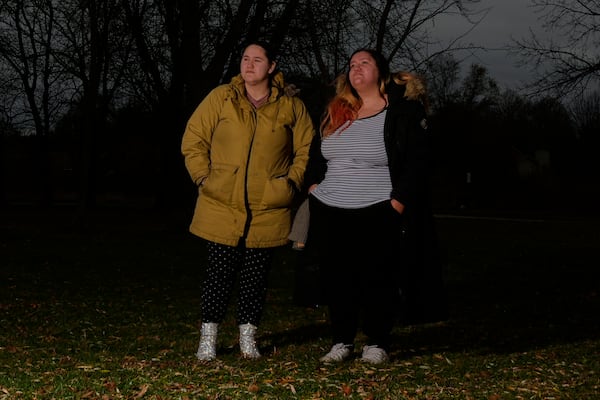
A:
(224, 263)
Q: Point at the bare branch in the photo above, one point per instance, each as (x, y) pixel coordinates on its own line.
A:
(568, 63)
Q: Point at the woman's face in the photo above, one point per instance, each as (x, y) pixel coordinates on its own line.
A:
(255, 66)
(363, 71)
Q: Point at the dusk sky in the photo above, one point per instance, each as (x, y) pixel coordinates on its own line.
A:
(505, 19)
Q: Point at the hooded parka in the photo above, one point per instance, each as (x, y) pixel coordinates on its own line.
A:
(248, 163)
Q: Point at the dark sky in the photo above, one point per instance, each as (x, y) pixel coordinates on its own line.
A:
(504, 19)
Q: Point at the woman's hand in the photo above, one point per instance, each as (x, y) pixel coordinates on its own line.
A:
(312, 187)
(396, 205)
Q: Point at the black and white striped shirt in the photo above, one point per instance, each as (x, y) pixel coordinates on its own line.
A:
(357, 165)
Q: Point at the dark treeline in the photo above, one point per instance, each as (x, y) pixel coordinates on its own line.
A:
(95, 95)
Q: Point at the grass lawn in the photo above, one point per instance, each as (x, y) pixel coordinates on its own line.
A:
(114, 313)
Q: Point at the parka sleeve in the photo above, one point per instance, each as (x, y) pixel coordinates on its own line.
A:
(409, 165)
(197, 137)
(317, 165)
(303, 133)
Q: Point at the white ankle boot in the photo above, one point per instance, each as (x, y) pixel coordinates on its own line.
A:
(248, 341)
(207, 349)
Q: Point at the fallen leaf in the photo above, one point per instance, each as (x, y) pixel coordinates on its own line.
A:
(142, 391)
(347, 390)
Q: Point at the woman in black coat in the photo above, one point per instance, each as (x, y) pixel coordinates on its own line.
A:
(377, 246)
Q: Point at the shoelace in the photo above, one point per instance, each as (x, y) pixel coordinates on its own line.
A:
(338, 352)
(374, 354)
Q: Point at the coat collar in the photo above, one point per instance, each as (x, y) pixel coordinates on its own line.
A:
(277, 86)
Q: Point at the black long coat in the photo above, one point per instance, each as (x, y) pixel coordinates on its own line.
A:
(419, 272)
(422, 296)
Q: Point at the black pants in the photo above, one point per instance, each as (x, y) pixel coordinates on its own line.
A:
(225, 263)
(358, 251)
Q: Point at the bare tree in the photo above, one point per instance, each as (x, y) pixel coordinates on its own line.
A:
(586, 116)
(442, 80)
(585, 112)
(569, 61)
(402, 29)
(479, 87)
(327, 32)
(91, 48)
(186, 47)
(26, 48)
(163, 56)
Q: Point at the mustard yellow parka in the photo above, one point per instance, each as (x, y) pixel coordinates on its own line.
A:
(248, 163)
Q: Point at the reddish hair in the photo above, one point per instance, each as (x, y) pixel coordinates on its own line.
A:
(342, 108)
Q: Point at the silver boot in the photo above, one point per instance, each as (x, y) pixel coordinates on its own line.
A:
(207, 349)
(248, 342)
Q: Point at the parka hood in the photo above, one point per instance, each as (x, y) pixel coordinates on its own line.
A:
(247, 162)
(278, 86)
(409, 86)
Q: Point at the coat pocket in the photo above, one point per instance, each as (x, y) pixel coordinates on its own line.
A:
(220, 182)
(278, 193)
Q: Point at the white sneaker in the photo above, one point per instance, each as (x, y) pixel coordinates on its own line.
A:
(374, 354)
(339, 352)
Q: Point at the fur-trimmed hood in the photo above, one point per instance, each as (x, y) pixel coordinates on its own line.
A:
(278, 86)
(409, 86)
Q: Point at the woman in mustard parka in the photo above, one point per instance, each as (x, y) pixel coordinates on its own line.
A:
(246, 148)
